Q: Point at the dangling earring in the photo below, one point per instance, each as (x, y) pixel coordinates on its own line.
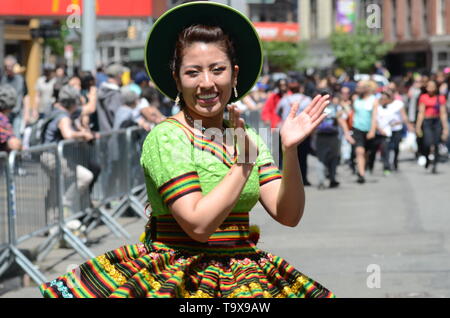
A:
(235, 92)
(177, 99)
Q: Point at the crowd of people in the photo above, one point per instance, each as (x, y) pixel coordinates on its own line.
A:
(76, 107)
(365, 118)
(79, 107)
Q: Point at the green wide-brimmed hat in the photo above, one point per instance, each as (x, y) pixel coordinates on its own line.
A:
(160, 45)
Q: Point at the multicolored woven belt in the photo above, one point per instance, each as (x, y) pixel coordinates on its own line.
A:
(233, 231)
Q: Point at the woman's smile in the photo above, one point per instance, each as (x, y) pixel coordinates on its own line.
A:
(207, 100)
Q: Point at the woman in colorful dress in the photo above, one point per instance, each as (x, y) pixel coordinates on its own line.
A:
(204, 174)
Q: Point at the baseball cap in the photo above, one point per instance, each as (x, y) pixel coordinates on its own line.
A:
(141, 77)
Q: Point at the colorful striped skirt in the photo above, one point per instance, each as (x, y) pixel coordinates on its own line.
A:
(170, 264)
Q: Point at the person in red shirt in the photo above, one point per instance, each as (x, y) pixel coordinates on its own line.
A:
(269, 115)
(432, 122)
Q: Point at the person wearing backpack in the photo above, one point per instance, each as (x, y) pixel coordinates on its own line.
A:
(61, 126)
(109, 97)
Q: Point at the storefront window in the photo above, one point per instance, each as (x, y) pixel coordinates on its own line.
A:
(442, 56)
(272, 10)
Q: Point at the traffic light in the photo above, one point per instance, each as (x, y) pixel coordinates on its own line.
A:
(132, 32)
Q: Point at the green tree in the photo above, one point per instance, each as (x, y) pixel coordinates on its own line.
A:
(358, 50)
(57, 44)
(284, 56)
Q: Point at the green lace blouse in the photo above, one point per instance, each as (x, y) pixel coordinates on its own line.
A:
(177, 162)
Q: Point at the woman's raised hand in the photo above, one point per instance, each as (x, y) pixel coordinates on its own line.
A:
(247, 150)
(295, 128)
(235, 117)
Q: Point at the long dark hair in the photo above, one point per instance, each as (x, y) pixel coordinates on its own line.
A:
(436, 91)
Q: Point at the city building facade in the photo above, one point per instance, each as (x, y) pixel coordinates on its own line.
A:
(419, 30)
(318, 19)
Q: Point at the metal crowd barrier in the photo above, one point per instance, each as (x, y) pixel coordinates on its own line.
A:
(137, 191)
(39, 199)
(83, 169)
(121, 178)
(10, 225)
(3, 209)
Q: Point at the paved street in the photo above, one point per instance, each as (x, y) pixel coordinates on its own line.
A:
(400, 223)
